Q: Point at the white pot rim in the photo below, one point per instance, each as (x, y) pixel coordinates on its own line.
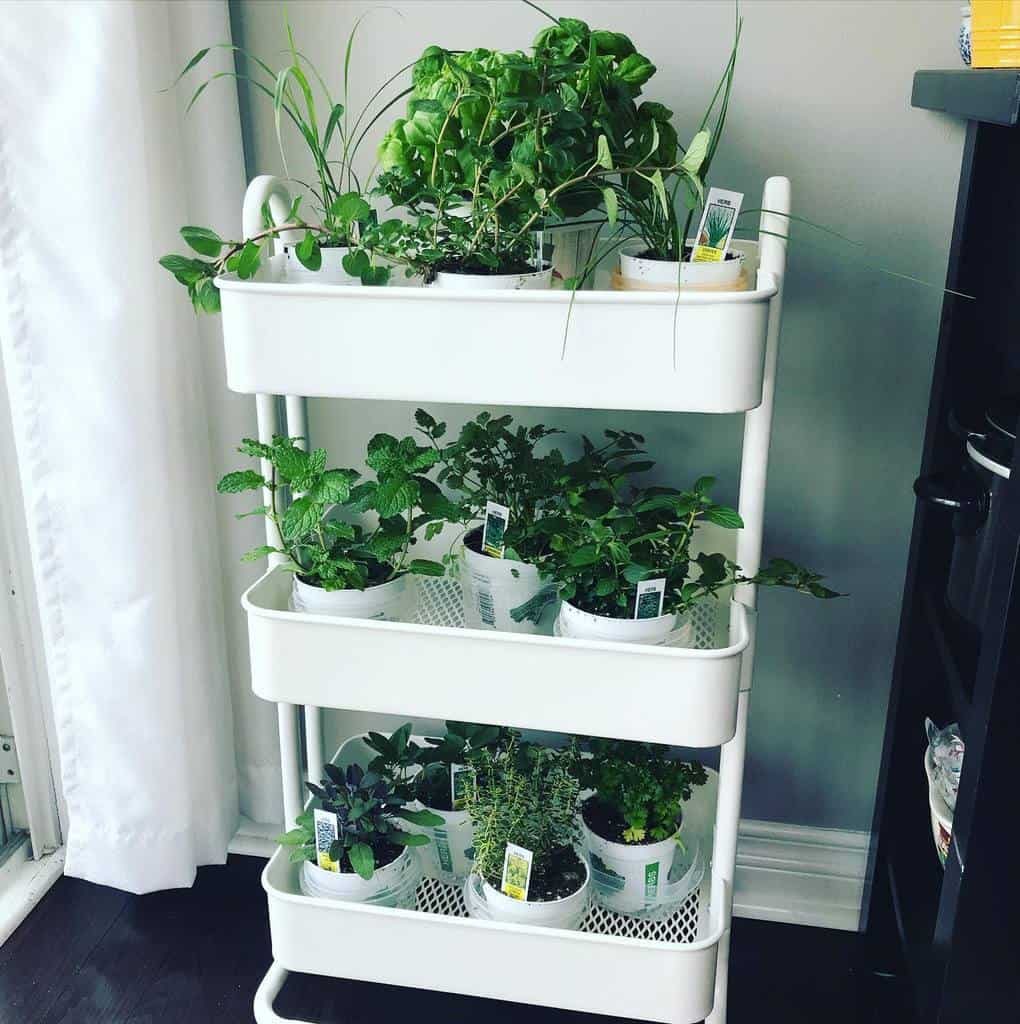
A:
(375, 587)
(353, 876)
(573, 610)
(632, 851)
(491, 889)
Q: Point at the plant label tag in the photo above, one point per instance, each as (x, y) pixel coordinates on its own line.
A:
(326, 833)
(461, 779)
(516, 871)
(494, 532)
(650, 595)
(718, 221)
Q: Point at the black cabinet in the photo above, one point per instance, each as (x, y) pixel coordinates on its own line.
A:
(952, 936)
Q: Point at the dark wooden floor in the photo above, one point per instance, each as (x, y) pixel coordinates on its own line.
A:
(91, 955)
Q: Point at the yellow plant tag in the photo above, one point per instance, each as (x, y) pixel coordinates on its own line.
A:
(516, 871)
(494, 531)
(718, 221)
(326, 833)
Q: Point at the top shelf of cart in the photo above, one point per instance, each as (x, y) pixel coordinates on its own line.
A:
(686, 351)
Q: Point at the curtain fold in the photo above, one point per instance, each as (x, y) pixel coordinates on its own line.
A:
(104, 364)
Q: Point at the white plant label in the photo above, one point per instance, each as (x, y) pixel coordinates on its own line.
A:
(494, 532)
(516, 871)
(461, 778)
(718, 221)
(650, 595)
(326, 833)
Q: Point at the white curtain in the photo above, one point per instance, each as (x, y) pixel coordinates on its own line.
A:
(103, 360)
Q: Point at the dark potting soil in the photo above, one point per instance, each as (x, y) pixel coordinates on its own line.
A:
(384, 852)
(482, 271)
(553, 877)
(606, 821)
(649, 255)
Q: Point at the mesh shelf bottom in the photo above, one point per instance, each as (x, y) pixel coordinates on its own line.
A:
(434, 897)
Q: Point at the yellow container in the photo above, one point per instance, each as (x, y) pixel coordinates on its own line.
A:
(995, 34)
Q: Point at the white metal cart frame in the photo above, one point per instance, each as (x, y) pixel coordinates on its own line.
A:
(287, 340)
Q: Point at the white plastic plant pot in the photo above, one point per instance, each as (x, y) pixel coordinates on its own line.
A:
(450, 853)
(576, 624)
(494, 588)
(634, 878)
(391, 602)
(487, 903)
(331, 272)
(941, 815)
(392, 885)
(637, 272)
(494, 282)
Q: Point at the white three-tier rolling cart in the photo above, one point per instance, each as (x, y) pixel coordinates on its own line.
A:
(708, 352)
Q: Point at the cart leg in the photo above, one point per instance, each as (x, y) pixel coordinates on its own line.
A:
(268, 990)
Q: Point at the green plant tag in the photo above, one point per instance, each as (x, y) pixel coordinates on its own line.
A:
(718, 221)
(461, 778)
(652, 881)
(494, 532)
(650, 595)
(516, 871)
(326, 833)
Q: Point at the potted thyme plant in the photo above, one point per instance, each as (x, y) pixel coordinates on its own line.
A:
(624, 568)
(340, 566)
(631, 823)
(524, 810)
(350, 843)
(326, 246)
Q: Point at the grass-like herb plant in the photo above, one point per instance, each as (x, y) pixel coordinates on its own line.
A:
(527, 795)
(607, 538)
(321, 534)
(332, 135)
(368, 810)
(638, 790)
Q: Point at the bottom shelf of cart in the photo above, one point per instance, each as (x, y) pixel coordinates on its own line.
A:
(656, 971)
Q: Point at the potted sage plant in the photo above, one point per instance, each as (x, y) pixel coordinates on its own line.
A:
(524, 810)
(624, 568)
(341, 566)
(351, 843)
(632, 820)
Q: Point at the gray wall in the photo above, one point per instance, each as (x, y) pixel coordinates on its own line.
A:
(822, 96)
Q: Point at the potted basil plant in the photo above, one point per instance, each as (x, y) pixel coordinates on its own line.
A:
(624, 567)
(340, 566)
(524, 810)
(351, 844)
(632, 820)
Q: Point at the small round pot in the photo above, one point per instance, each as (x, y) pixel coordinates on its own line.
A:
(450, 854)
(629, 877)
(494, 282)
(486, 902)
(580, 625)
(493, 587)
(392, 601)
(389, 886)
(331, 271)
(637, 272)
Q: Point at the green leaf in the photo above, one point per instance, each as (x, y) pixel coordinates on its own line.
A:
(350, 207)
(203, 240)
(634, 573)
(603, 157)
(260, 552)
(242, 480)
(586, 555)
(249, 260)
(356, 262)
(408, 838)
(362, 860)
(301, 518)
(660, 190)
(295, 837)
(334, 486)
(612, 205)
(704, 484)
(207, 296)
(249, 446)
(395, 495)
(425, 567)
(308, 252)
(697, 150)
(186, 269)
(425, 819)
(725, 517)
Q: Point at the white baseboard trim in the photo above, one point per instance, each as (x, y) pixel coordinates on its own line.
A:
(23, 883)
(790, 873)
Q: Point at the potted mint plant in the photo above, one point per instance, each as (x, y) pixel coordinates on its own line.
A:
(329, 249)
(624, 568)
(632, 820)
(350, 843)
(524, 810)
(340, 566)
